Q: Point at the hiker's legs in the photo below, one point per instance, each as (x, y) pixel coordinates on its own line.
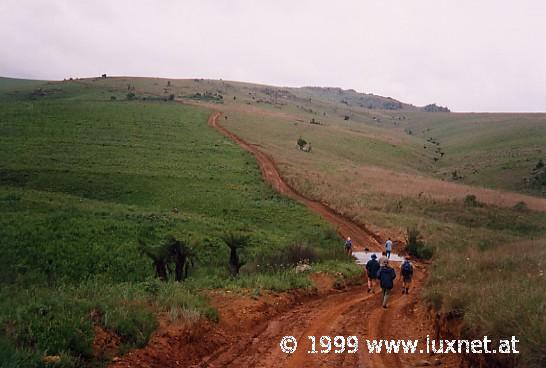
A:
(371, 283)
(388, 254)
(407, 284)
(386, 293)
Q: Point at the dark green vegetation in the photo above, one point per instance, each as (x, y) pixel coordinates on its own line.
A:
(84, 177)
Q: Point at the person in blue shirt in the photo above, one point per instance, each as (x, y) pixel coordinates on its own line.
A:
(388, 248)
(349, 246)
(386, 276)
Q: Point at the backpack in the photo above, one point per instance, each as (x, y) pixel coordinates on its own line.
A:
(407, 269)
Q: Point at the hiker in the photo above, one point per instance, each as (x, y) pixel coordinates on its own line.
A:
(349, 246)
(388, 248)
(383, 260)
(406, 270)
(386, 276)
(372, 266)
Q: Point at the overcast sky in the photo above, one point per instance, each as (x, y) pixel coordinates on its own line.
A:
(471, 55)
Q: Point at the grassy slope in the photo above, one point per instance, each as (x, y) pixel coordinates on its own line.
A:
(357, 155)
(499, 244)
(13, 84)
(494, 150)
(81, 176)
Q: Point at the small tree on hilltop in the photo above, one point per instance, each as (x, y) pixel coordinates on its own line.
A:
(301, 143)
(470, 200)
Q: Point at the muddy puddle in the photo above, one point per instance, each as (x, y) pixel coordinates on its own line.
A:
(363, 257)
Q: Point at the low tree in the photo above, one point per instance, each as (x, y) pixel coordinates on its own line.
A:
(470, 200)
(159, 257)
(170, 251)
(235, 241)
(301, 143)
(416, 246)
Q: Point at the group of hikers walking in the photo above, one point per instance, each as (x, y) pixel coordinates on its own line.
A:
(379, 271)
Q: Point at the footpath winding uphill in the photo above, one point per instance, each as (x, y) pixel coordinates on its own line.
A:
(353, 312)
(242, 341)
(345, 227)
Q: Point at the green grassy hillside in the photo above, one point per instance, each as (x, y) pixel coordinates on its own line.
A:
(83, 176)
(491, 150)
(90, 165)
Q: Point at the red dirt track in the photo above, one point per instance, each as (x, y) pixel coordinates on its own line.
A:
(249, 331)
(361, 236)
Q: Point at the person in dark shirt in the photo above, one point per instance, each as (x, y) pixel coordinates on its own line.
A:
(386, 276)
(371, 268)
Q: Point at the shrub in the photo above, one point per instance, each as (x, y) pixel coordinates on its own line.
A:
(291, 255)
(133, 323)
(471, 201)
(170, 251)
(415, 245)
(435, 108)
(235, 241)
(301, 252)
(113, 98)
(171, 97)
(520, 207)
(301, 143)
(131, 96)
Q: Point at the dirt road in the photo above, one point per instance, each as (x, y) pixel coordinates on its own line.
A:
(250, 331)
(361, 236)
(353, 312)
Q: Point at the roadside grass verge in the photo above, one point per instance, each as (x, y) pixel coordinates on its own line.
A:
(61, 320)
(499, 291)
